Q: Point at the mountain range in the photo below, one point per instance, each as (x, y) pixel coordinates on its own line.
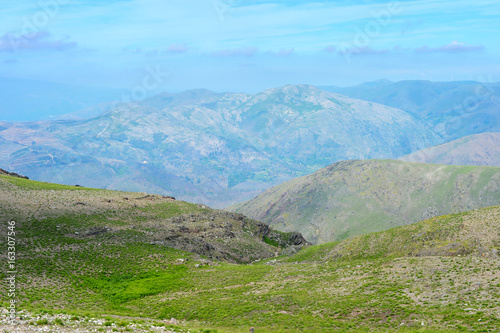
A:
(452, 109)
(213, 148)
(350, 198)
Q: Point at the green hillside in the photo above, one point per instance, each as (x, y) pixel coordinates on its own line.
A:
(108, 263)
(85, 219)
(474, 232)
(357, 197)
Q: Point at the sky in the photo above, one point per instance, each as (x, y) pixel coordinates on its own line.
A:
(147, 46)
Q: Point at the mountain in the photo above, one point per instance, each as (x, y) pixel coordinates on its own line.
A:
(452, 109)
(356, 197)
(211, 148)
(477, 149)
(30, 100)
(91, 260)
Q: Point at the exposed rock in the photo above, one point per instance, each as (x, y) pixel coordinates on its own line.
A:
(216, 234)
(12, 174)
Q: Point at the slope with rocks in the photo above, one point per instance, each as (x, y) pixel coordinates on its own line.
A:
(477, 149)
(90, 218)
(437, 275)
(355, 197)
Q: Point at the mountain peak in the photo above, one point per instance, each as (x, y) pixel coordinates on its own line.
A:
(293, 88)
(194, 96)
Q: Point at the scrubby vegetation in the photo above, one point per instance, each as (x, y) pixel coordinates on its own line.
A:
(357, 197)
(103, 262)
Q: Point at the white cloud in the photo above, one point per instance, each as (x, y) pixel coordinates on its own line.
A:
(453, 47)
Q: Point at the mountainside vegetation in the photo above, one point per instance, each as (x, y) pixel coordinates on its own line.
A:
(477, 149)
(103, 262)
(474, 232)
(211, 148)
(356, 197)
(78, 218)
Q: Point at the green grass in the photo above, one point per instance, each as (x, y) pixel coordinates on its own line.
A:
(171, 209)
(119, 289)
(29, 184)
(369, 283)
(313, 253)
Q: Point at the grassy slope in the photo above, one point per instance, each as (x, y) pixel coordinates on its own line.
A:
(474, 232)
(94, 249)
(331, 287)
(76, 214)
(357, 197)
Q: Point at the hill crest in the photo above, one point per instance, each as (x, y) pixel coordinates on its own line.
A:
(360, 196)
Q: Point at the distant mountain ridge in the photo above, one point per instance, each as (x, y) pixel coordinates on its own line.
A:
(212, 148)
(349, 198)
(477, 149)
(452, 109)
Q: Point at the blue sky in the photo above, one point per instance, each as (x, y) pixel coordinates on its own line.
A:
(235, 45)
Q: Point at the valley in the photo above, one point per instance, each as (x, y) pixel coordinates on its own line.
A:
(91, 255)
(263, 166)
(123, 238)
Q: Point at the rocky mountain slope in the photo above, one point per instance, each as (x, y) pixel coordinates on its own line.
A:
(356, 197)
(477, 149)
(211, 148)
(84, 218)
(452, 109)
